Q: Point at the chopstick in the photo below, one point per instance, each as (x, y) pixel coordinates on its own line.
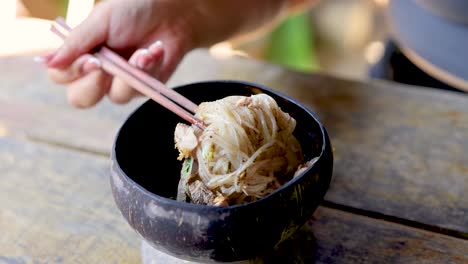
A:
(140, 81)
(116, 59)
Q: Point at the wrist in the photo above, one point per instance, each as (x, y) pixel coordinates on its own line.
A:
(214, 21)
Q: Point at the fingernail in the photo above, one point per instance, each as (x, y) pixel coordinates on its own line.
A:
(145, 52)
(44, 58)
(156, 46)
(92, 64)
(144, 58)
(158, 43)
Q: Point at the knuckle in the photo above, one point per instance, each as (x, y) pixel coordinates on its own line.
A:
(77, 101)
(59, 76)
(119, 99)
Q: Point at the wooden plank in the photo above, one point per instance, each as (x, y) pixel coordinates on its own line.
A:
(399, 149)
(84, 130)
(57, 207)
(24, 79)
(339, 237)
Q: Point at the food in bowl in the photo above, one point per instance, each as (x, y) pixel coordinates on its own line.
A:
(246, 151)
(145, 174)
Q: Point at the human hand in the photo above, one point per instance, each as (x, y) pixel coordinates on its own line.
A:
(153, 34)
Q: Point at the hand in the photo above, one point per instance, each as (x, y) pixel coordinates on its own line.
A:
(154, 35)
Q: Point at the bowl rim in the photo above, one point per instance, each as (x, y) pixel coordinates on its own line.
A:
(220, 209)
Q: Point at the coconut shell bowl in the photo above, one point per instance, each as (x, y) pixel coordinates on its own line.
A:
(145, 174)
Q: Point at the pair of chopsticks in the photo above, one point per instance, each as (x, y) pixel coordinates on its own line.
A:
(117, 66)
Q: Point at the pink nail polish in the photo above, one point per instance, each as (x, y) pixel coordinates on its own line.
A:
(156, 47)
(91, 64)
(45, 58)
(144, 58)
(157, 44)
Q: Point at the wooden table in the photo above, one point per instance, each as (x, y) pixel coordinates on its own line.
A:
(399, 191)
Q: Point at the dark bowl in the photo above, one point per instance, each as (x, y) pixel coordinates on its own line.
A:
(145, 175)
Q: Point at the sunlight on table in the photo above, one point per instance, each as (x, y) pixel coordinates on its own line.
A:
(26, 36)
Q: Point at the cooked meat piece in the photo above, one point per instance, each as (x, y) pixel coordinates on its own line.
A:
(185, 140)
(200, 194)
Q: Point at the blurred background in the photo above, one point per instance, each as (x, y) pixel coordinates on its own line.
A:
(337, 37)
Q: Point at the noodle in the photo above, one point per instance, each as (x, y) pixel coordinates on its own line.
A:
(246, 151)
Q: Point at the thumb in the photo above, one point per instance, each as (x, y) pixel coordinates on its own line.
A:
(90, 33)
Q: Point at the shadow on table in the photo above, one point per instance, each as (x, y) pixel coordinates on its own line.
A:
(301, 247)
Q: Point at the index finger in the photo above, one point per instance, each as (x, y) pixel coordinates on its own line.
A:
(91, 33)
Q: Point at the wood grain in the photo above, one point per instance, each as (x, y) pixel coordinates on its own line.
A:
(34, 107)
(399, 149)
(57, 208)
(339, 237)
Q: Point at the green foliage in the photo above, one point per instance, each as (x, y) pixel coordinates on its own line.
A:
(291, 44)
(62, 4)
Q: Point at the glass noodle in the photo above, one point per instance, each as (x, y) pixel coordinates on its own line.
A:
(246, 152)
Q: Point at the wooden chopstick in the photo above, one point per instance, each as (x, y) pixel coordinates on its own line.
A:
(157, 85)
(110, 66)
